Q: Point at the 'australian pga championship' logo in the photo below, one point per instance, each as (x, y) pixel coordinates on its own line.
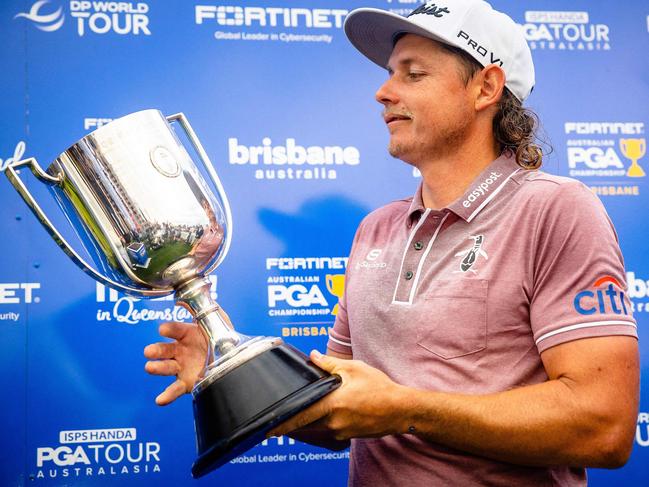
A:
(305, 291)
(97, 453)
(97, 16)
(609, 153)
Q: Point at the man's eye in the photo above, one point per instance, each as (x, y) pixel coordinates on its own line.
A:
(412, 75)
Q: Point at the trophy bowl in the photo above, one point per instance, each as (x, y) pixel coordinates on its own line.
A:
(152, 226)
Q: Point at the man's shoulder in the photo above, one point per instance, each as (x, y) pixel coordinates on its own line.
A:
(539, 187)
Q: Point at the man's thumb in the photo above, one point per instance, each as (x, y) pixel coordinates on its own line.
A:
(325, 362)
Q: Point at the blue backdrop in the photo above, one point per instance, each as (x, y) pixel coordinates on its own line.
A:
(78, 407)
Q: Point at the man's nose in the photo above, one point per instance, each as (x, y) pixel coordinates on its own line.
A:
(386, 94)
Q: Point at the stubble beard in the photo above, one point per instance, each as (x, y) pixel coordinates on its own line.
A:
(444, 141)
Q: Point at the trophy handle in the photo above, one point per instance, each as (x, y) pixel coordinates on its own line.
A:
(14, 178)
(184, 123)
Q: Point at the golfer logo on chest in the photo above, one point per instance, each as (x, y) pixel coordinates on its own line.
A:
(470, 255)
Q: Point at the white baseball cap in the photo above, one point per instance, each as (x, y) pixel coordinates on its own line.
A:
(489, 36)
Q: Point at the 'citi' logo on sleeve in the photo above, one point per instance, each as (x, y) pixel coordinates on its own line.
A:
(602, 299)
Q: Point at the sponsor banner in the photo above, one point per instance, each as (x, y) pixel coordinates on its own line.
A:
(608, 156)
(12, 293)
(303, 293)
(89, 17)
(256, 23)
(291, 161)
(80, 454)
(402, 7)
(642, 430)
(116, 307)
(638, 289)
(92, 123)
(18, 153)
(287, 450)
(565, 31)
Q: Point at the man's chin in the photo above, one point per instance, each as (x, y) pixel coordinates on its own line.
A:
(400, 152)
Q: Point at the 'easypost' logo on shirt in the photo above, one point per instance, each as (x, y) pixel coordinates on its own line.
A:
(481, 189)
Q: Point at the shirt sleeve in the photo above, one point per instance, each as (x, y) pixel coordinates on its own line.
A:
(340, 339)
(579, 287)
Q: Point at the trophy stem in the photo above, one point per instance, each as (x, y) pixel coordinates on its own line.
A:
(194, 295)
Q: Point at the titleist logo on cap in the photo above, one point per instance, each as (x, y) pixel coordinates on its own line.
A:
(430, 8)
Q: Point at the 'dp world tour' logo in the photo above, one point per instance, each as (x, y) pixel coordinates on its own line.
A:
(96, 453)
(97, 17)
(565, 31)
(121, 308)
(608, 156)
(305, 291)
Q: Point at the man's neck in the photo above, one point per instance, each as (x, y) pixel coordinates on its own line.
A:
(447, 178)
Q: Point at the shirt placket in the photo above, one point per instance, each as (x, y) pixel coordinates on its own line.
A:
(418, 245)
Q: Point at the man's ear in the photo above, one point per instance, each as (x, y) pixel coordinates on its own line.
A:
(489, 84)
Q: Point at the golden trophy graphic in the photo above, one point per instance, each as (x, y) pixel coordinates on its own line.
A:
(634, 149)
(336, 286)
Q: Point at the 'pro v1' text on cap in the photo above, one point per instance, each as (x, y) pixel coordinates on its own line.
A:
(489, 36)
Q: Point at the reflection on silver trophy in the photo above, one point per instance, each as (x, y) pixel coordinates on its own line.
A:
(153, 227)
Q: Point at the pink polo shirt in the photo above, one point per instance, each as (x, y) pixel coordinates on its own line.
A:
(464, 299)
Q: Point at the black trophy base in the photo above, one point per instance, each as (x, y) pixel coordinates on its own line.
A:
(235, 412)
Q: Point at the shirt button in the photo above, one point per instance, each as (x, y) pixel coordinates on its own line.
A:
(409, 275)
(418, 245)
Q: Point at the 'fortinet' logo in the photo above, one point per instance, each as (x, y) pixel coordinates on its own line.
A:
(306, 263)
(236, 16)
(481, 189)
(604, 128)
(19, 292)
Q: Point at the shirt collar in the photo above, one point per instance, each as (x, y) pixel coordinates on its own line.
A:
(479, 193)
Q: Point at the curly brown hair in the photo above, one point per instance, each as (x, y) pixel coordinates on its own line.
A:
(515, 126)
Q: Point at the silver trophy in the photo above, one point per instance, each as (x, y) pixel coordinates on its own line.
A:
(153, 227)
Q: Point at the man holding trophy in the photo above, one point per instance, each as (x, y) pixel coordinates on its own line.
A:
(495, 343)
(484, 334)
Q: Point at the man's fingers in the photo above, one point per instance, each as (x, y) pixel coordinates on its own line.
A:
(174, 329)
(171, 393)
(160, 350)
(162, 367)
(308, 416)
(325, 362)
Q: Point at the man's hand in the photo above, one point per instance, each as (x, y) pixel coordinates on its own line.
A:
(366, 404)
(184, 357)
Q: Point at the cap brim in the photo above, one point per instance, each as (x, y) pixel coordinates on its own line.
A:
(372, 32)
